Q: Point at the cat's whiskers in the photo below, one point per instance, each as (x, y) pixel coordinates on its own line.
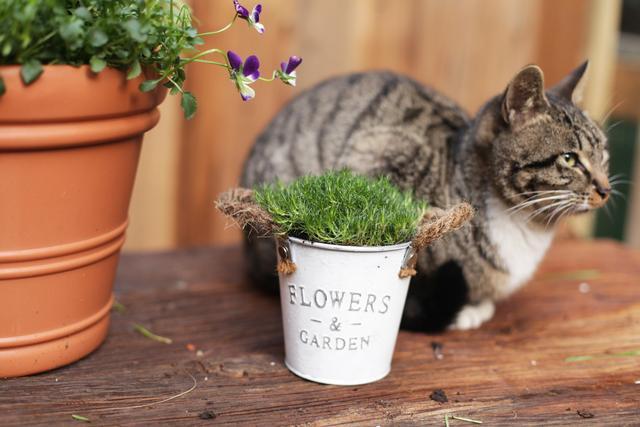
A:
(618, 193)
(612, 126)
(523, 208)
(613, 199)
(617, 179)
(537, 199)
(533, 194)
(540, 195)
(611, 110)
(543, 209)
(537, 194)
(608, 211)
(565, 213)
(566, 207)
(620, 181)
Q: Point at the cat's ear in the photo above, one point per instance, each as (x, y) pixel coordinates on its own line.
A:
(524, 98)
(571, 88)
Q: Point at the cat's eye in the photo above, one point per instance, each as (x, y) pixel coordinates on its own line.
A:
(571, 159)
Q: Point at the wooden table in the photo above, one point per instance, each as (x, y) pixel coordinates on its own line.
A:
(513, 371)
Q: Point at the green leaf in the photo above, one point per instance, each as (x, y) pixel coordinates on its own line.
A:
(97, 37)
(189, 105)
(3, 88)
(134, 71)
(30, 71)
(6, 48)
(148, 85)
(83, 13)
(97, 64)
(135, 31)
(71, 32)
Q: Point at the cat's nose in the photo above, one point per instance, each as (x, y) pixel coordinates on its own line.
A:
(603, 192)
(602, 187)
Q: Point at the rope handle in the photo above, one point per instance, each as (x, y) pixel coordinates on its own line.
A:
(434, 224)
(240, 205)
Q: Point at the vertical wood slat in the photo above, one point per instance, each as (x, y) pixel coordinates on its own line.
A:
(467, 49)
(633, 225)
(152, 214)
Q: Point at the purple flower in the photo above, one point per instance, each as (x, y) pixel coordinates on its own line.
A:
(243, 74)
(287, 71)
(253, 18)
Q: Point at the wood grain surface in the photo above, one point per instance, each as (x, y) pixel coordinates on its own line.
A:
(512, 371)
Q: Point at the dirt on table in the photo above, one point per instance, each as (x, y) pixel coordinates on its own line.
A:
(207, 415)
(584, 413)
(439, 396)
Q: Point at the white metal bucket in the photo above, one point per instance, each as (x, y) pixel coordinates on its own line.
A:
(341, 310)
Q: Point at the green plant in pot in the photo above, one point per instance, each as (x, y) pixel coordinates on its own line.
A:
(80, 82)
(347, 247)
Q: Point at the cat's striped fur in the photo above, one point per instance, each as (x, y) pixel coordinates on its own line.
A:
(505, 162)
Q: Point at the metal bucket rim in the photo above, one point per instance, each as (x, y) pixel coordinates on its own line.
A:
(345, 248)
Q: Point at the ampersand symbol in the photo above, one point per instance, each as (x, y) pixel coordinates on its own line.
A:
(334, 325)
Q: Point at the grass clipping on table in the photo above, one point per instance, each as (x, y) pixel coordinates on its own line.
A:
(342, 208)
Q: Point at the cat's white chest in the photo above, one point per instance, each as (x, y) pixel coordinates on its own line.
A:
(520, 246)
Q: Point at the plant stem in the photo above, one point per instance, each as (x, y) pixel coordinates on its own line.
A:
(273, 77)
(39, 42)
(119, 307)
(204, 61)
(446, 420)
(468, 420)
(225, 28)
(145, 405)
(186, 61)
(147, 333)
(175, 84)
(631, 353)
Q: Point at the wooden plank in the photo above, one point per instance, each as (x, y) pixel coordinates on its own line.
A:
(510, 372)
(632, 229)
(562, 47)
(626, 93)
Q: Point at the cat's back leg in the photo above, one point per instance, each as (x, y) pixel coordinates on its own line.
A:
(435, 298)
(261, 262)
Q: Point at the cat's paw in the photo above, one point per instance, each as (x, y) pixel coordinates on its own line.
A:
(473, 315)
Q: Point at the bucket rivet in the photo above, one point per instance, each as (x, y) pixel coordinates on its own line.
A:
(283, 251)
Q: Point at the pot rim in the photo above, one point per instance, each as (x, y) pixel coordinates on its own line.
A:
(346, 248)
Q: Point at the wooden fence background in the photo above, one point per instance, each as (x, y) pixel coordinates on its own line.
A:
(468, 49)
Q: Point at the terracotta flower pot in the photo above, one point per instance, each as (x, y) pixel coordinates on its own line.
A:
(69, 147)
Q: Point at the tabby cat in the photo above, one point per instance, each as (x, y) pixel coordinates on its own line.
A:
(528, 159)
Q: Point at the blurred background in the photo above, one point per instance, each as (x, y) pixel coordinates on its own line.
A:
(467, 49)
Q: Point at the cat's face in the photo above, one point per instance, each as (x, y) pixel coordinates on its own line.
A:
(550, 159)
